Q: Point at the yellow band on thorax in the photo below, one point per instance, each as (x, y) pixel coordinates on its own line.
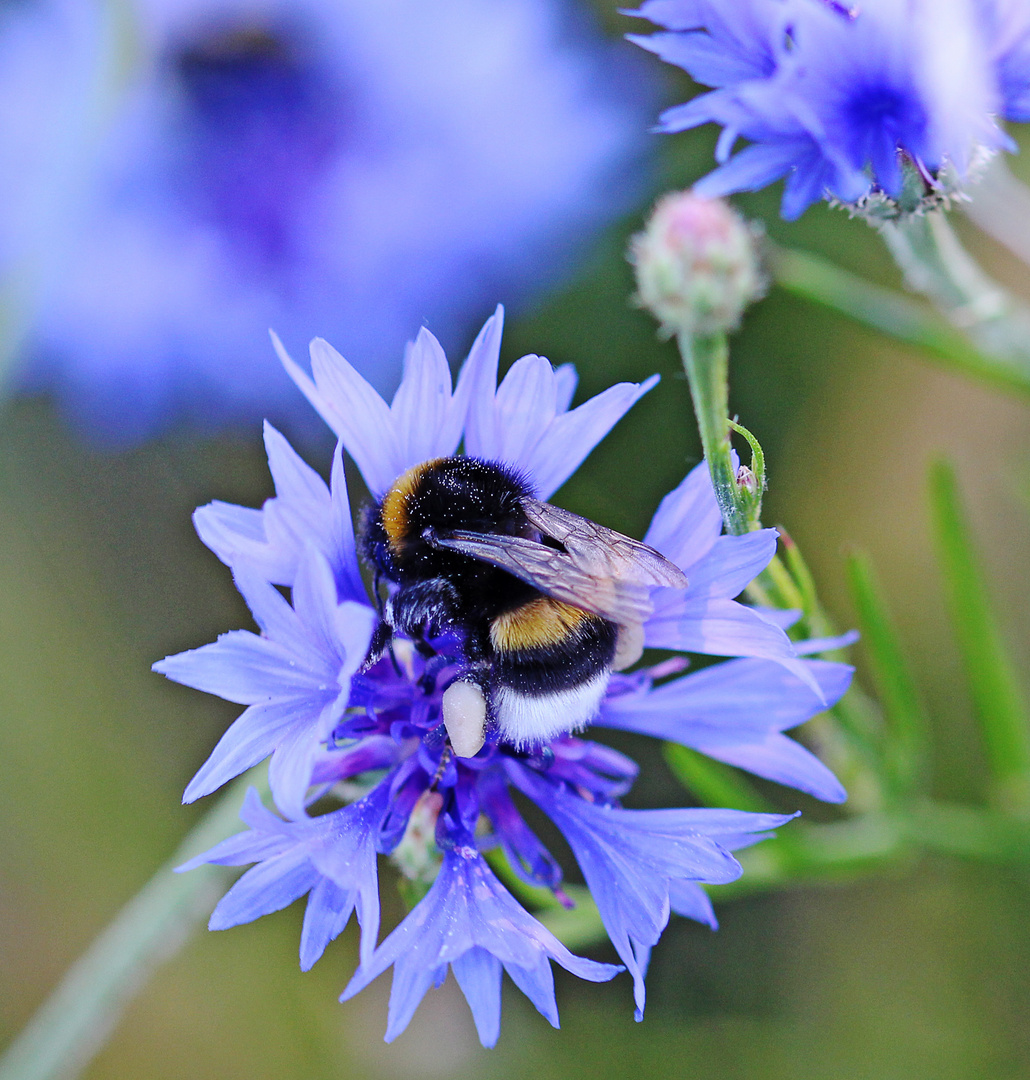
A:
(394, 508)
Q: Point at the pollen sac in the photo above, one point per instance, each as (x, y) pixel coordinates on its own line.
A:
(696, 265)
(464, 717)
(629, 646)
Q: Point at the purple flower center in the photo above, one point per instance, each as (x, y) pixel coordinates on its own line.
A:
(263, 120)
(390, 705)
(880, 119)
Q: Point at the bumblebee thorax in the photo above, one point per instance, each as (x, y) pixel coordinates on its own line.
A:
(449, 494)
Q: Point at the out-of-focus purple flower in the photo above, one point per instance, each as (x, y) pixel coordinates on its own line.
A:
(1006, 27)
(831, 97)
(376, 728)
(191, 172)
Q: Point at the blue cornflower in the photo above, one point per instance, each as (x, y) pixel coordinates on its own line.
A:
(359, 167)
(1006, 27)
(370, 731)
(832, 97)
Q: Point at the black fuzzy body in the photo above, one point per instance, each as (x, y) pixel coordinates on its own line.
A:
(439, 589)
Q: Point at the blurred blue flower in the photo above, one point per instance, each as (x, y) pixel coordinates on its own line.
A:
(335, 725)
(832, 97)
(193, 171)
(1006, 27)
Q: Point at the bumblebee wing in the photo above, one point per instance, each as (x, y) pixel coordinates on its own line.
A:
(603, 551)
(556, 573)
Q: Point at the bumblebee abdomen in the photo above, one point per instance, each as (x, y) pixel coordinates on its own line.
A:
(538, 624)
(550, 669)
(544, 646)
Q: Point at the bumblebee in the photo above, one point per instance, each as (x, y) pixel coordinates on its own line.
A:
(547, 603)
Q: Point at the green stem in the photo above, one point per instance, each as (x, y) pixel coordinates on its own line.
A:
(846, 737)
(706, 362)
(935, 264)
(73, 1023)
(821, 281)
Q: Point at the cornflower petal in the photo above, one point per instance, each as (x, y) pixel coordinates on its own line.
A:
(717, 627)
(526, 422)
(735, 712)
(732, 563)
(688, 899)
(702, 618)
(565, 444)
(271, 542)
(478, 973)
(629, 857)
(296, 680)
(723, 45)
(333, 858)
(688, 520)
(269, 886)
(380, 437)
(1006, 26)
(467, 909)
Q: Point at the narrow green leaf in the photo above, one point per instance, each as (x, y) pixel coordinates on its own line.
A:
(73, 1023)
(907, 723)
(805, 584)
(752, 501)
(808, 854)
(821, 281)
(968, 832)
(998, 698)
(712, 782)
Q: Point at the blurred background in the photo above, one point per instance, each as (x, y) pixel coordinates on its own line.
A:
(412, 161)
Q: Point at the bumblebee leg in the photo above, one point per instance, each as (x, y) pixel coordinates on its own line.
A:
(435, 663)
(382, 641)
(422, 608)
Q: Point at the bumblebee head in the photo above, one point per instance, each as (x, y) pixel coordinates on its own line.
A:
(436, 498)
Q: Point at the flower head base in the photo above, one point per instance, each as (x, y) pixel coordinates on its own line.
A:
(836, 100)
(339, 721)
(920, 192)
(696, 265)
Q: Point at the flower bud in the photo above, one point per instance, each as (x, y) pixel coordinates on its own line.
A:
(696, 265)
(746, 480)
